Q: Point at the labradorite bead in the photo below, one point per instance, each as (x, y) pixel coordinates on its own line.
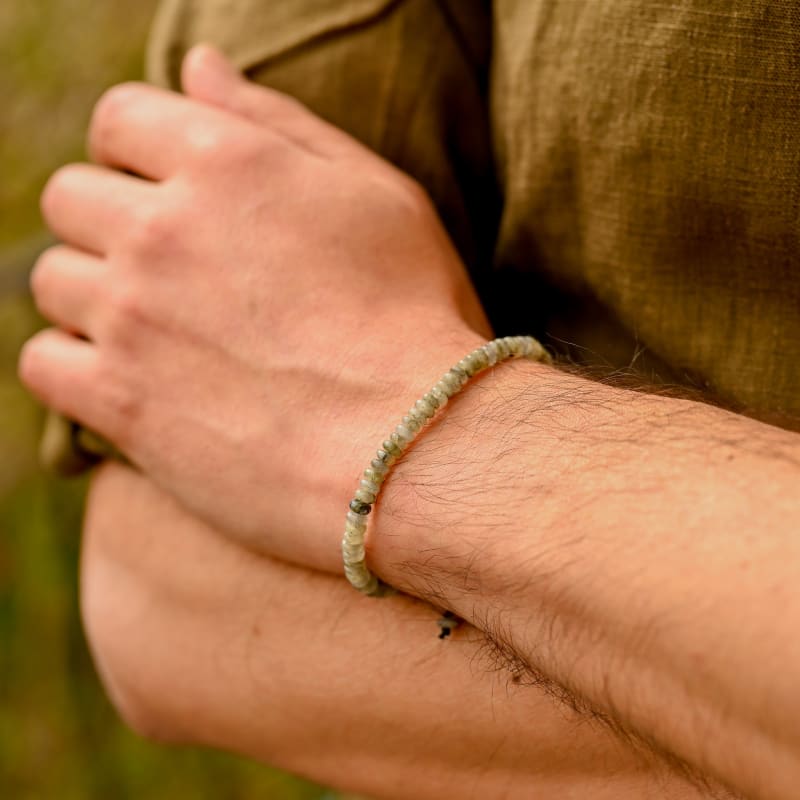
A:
(398, 440)
(491, 354)
(365, 497)
(375, 475)
(459, 375)
(360, 506)
(358, 575)
(369, 486)
(424, 408)
(391, 447)
(415, 414)
(431, 400)
(375, 588)
(353, 534)
(356, 519)
(481, 358)
(353, 552)
(385, 457)
(440, 392)
(451, 382)
(412, 423)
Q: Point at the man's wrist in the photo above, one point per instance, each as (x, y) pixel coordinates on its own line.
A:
(452, 497)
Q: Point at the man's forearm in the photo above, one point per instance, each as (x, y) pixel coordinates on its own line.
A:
(202, 641)
(639, 551)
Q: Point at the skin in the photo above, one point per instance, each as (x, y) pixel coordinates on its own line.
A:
(561, 517)
(200, 640)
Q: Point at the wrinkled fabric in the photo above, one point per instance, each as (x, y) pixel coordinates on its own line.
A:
(621, 176)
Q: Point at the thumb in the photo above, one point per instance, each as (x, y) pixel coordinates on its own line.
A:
(208, 76)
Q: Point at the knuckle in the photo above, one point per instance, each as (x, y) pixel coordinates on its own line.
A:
(221, 145)
(152, 229)
(109, 111)
(126, 308)
(208, 143)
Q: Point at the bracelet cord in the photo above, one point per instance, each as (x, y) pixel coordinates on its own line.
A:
(422, 412)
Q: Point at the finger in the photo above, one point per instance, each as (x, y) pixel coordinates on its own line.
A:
(89, 206)
(209, 77)
(65, 284)
(154, 132)
(62, 371)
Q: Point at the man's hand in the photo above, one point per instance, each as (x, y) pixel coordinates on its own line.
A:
(248, 312)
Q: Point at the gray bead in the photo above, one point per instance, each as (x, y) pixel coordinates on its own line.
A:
(424, 408)
(431, 400)
(481, 358)
(451, 382)
(370, 486)
(464, 366)
(441, 394)
(375, 475)
(378, 465)
(358, 575)
(353, 533)
(491, 353)
(412, 423)
(365, 497)
(353, 553)
(392, 447)
(417, 415)
(534, 349)
(356, 520)
(404, 432)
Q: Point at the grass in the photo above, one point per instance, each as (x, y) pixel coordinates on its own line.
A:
(59, 737)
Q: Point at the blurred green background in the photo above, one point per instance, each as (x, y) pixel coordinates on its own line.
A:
(59, 737)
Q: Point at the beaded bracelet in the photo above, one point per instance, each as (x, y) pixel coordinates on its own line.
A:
(353, 548)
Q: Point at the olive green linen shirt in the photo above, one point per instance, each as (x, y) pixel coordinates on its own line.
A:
(622, 177)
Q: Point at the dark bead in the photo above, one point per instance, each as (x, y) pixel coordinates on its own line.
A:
(447, 623)
(360, 508)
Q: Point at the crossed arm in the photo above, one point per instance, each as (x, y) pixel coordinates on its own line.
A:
(201, 641)
(629, 552)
